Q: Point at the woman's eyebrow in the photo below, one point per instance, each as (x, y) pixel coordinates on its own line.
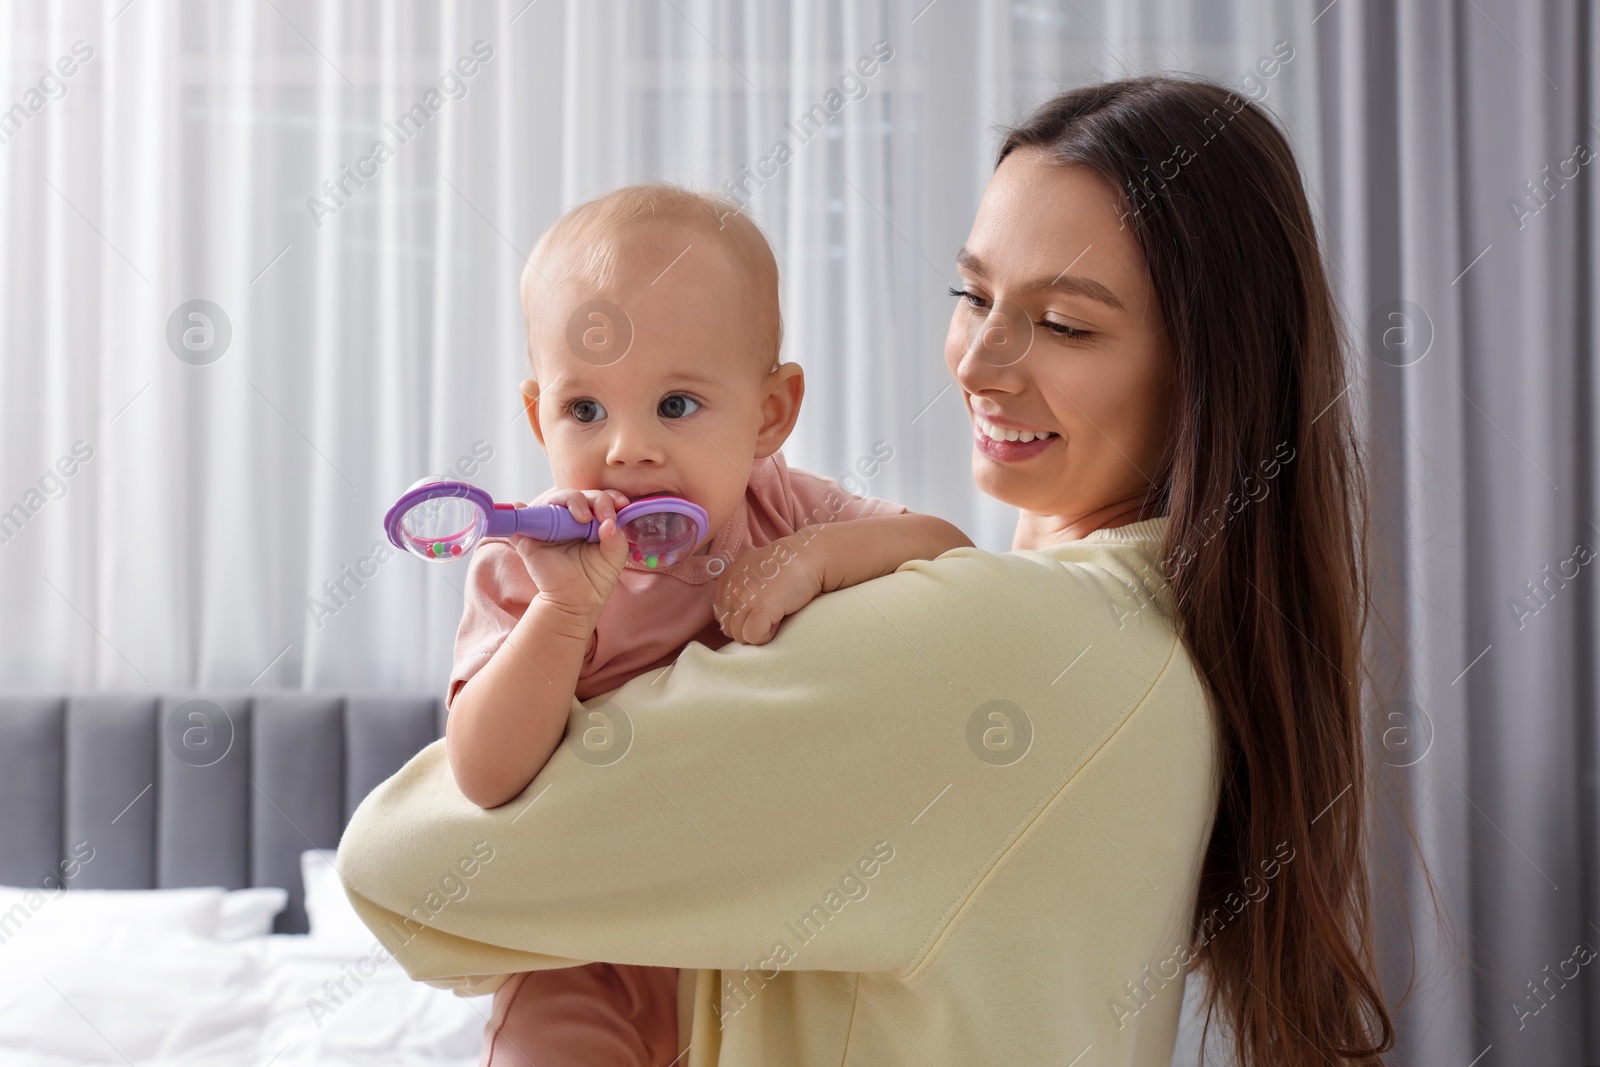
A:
(1071, 284)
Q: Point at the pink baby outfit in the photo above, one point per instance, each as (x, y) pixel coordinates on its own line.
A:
(604, 1013)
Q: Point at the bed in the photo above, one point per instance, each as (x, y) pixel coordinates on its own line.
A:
(166, 893)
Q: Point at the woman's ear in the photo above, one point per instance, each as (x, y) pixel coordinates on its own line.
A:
(780, 407)
(530, 404)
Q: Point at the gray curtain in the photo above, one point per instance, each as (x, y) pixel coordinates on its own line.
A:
(1459, 215)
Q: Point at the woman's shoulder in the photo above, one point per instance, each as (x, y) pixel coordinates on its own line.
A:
(1120, 566)
(1085, 624)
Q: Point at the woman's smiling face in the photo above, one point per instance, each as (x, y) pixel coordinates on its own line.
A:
(1058, 345)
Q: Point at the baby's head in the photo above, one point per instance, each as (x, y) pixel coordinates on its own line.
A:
(653, 332)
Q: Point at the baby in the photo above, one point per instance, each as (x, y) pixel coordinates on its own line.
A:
(653, 331)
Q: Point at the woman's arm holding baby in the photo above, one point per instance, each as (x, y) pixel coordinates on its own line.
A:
(767, 584)
(508, 719)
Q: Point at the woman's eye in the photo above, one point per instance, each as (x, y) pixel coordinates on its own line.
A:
(677, 406)
(971, 299)
(1063, 330)
(586, 410)
(1059, 329)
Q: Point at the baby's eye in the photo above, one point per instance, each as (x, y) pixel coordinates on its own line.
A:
(586, 410)
(677, 405)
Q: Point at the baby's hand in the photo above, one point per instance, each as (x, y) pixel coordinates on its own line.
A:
(578, 576)
(762, 587)
(585, 504)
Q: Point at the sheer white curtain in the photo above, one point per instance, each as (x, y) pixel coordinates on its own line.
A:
(207, 515)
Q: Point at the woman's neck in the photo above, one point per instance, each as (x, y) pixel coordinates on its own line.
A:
(1036, 531)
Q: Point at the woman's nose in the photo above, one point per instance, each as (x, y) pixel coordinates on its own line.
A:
(996, 351)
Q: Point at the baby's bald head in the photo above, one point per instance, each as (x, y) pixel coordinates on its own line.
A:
(638, 233)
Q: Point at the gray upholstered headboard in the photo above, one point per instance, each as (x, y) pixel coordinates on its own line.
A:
(189, 790)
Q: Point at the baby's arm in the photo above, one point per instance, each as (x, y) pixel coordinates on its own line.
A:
(507, 719)
(766, 584)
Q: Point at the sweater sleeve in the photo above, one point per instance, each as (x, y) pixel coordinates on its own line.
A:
(827, 801)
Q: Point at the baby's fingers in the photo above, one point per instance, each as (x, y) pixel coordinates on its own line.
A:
(574, 500)
(586, 504)
(724, 614)
(603, 503)
(761, 626)
(748, 624)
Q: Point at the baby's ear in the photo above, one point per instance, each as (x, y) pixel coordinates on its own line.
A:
(530, 405)
(780, 407)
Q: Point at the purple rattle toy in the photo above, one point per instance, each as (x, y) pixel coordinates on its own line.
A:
(441, 520)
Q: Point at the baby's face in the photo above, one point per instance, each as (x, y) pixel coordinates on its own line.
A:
(677, 407)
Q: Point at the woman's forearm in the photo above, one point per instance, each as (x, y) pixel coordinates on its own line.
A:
(507, 720)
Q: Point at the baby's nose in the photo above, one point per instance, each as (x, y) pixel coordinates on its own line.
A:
(631, 445)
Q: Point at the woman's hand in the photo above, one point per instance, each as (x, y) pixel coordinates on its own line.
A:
(578, 576)
(762, 587)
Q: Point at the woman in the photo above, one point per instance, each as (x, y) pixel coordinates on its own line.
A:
(990, 808)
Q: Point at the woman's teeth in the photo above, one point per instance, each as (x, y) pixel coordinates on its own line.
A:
(998, 433)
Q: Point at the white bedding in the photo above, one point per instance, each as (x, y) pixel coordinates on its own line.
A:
(81, 993)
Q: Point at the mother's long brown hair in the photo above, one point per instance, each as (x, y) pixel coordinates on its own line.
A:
(1265, 550)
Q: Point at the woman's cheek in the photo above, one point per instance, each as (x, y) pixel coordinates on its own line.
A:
(1141, 410)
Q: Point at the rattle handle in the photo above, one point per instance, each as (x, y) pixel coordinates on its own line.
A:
(552, 522)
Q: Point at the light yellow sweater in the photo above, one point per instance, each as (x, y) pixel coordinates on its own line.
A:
(951, 816)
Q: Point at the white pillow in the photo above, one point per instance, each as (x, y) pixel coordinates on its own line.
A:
(250, 912)
(99, 913)
(328, 910)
